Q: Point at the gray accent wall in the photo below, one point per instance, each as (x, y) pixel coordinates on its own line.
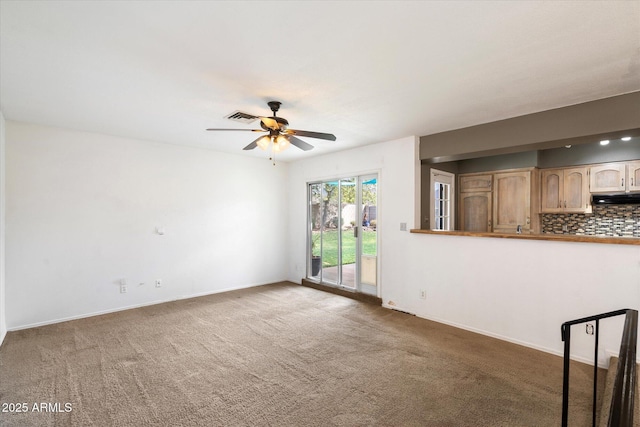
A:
(492, 163)
(586, 154)
(576, 155)
(611, 117)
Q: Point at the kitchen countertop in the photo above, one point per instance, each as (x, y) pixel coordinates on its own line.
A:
(552, 237)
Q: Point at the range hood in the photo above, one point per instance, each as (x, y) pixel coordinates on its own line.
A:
(616, 199)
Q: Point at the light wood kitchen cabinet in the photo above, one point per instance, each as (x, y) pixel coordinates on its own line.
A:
(475, 211)
(565, 190)
(633, 176)
(608, 178)
(552, 194)
(475, 182)
(512, 202)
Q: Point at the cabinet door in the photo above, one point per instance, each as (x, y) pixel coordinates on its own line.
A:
(512, 202)
(633, 176)
(475, 211)
(475, 183)
(608, 177)
(552, 196)
(576, 190)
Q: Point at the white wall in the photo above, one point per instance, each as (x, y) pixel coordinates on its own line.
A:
(516, 290)
(520, 290)
(3, 319)
(82, 212)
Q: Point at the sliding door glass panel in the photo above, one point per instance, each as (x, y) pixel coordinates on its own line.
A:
(315, 231)
(348, 232)
(330, 231)
(369, 236)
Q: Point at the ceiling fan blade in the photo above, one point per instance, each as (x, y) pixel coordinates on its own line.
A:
(254, 144)
(309, 134)
(299, 143)
(251, 130)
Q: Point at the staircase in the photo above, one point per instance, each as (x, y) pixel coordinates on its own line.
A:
(619, 407)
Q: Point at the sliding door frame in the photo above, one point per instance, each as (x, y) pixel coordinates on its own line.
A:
(309, 232)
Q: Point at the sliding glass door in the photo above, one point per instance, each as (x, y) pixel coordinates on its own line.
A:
(342, 222)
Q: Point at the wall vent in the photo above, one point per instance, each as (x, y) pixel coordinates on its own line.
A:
(239, 116)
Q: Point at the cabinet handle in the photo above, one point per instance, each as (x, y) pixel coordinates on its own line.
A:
(565, 204)
(528, 220)
(622, 185)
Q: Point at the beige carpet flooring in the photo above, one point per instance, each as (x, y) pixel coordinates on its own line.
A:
(279, 355)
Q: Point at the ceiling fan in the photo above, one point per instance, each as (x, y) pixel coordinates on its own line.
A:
(278, 133)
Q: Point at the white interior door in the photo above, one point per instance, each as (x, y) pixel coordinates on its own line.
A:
(442, 200)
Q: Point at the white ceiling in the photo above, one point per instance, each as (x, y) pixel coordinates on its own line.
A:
(365, 71)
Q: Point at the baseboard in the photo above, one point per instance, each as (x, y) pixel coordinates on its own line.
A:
(3, 334)
(131, 307)
(555, 352)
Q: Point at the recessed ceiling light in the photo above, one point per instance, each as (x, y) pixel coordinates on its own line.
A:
(604, 142)
(626, 138)
(567, 146)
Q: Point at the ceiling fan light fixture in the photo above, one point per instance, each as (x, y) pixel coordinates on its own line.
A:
(280, 143)
(263, 142)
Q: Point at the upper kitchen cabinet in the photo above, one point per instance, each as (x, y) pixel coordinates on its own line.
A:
(470, 183)
(615, 177)
(608, 178)
(552, 196)
(565, 190)
(633, 175)
(513, 206)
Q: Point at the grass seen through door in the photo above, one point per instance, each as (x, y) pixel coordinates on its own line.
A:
(330, 246)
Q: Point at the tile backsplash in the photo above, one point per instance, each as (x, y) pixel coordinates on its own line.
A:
(606, 220)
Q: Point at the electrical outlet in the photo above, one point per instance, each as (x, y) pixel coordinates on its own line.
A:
(590, 329)
(423, 294)
(123, 288)
(403, 226)
(158, 283)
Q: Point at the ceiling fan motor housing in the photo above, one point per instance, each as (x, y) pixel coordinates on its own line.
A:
(276, 123)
